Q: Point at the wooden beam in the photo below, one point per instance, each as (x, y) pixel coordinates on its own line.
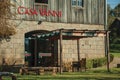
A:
(61, 37)
(107, 51)
(35, 52)
(78, 49)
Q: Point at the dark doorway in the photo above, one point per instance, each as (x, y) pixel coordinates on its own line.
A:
(34, 47)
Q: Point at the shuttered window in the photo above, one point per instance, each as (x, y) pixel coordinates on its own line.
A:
(41, 1)
(78, 3)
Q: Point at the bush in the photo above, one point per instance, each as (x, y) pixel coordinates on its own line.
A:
(111, 57)
(89, 64)
(114, 47)
(93, 63)
(0, 68)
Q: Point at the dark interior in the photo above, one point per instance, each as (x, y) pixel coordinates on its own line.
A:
(42, 1)
(34, 47)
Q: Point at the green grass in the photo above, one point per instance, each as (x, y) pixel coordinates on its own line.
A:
(116, 55)
(93, 74)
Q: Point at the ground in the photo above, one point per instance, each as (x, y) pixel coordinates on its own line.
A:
(91, 74)
(98, 74)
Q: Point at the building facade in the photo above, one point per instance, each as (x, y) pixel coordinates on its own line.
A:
(41, 16)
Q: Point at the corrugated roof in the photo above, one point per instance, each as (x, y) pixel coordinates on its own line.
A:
(69, 33)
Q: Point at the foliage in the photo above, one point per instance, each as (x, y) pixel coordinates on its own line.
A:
(67, 66)
(113, 15)
(116, 55)
(93, 63)
(111, 57)
(7, 28)
(89, 64)
(111, 18)
(116, 11)
(115, 48)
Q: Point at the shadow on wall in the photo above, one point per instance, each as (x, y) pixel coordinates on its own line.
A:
(8, 62)
(6, 58)
(6, 38)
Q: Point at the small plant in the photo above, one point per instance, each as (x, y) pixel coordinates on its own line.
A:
(67, 66)
(93, 63)
(111, 57)
(89, 63)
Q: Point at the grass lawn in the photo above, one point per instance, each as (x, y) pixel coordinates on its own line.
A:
(116, 55)
(93, 74)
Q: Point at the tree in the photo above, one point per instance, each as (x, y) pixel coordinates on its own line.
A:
(111, 18)
(7, 28)
(116, 11)
(114, 27)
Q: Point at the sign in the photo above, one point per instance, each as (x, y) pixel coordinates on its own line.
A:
(27, 54)
(45, 54)
(41, 11)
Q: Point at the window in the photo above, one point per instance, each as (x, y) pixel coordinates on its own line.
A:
(41, 1)
(78, 3)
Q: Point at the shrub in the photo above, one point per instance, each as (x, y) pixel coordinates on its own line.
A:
(93, 63)
(0, 68)
(115, 48)
(111, 57)
(89, 64)
(67, 66)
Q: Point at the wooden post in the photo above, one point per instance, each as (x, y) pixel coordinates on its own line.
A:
(61, 37)
(78, 49)
(107, 51)
(35, 52)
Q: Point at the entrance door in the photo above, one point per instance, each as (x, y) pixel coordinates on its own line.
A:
(34, 47)
(45, 48)
(29, 52)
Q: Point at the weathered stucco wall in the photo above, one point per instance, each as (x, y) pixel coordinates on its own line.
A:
(89, 48)
(14, 49)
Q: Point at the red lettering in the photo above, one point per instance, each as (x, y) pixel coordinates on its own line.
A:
(42, 12)
(33, 12)
(59, 14)
(27, 12)
(45, 12)
(49, 13)
(54, 13)
(21, 8)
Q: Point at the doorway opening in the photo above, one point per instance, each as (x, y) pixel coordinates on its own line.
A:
(39, 52)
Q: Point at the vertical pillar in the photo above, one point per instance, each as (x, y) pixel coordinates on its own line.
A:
(107, 51)
(78, 49)
(35, 52)
(61, 37)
